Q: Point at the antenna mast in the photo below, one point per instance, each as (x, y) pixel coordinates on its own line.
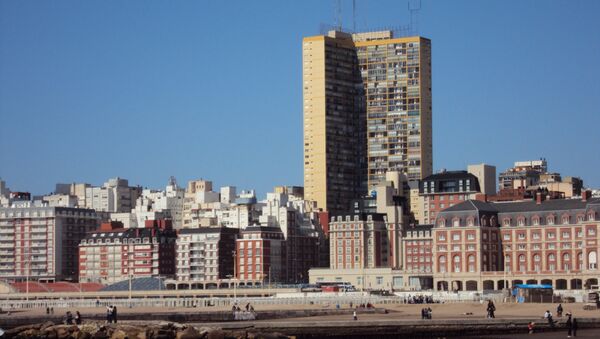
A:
(414, 7)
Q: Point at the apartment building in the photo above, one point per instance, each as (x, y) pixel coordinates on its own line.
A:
(41, 242)
(115, 195)
(418, 249)
(367, 110)
(446, 189)
(169, 202)
(260, 255)
(358, 241)
(112, 253)
(206, 254)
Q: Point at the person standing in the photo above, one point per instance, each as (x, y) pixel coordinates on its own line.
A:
(354, 316)
(491, 309)
(77, 318)
(569, 325)
(109, 314)
(559, 310)
(114, 314)
(574, 326)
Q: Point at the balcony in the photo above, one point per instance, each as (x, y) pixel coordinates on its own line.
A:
(7, 245)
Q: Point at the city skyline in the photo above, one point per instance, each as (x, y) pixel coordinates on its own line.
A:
(68, 88)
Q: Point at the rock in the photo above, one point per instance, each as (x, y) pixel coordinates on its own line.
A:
(203, 331)
(46, 325)
(188, 333)
(12, 333)
(262, 335)
(216, 334)
(28, 333)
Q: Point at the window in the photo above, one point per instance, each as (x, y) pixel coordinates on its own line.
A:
(506, 222)
(456, 263)
(379, 280)
(591, 231)
(550, 220)
(441, 237)
(592, 260)
(591, 216)
(471, 260)
(550, 235)
(456, 236)
(536, 221)
(506, 236)
(456, 222)
(442, 263)
(535, 236)
(521, 236)
(441, 222)
(470, 236)
(565, 219)
(470, 222)
(521, 222)
(566, 235)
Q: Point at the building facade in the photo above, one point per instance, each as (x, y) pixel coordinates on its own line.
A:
(367, 110)
(112, 253)
(481, 245)
(41, 242)
(260, 255)
(446, 189)
(206, 255)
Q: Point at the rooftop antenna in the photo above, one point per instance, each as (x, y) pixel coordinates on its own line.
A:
(414, 7)
(353, 16)
(337, 4)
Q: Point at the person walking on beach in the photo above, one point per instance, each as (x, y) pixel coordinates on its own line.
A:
(574, 326)
(559, 310)
(569, 325)
(530, 327)
(77, 318)
(491, 309)
(354, 316)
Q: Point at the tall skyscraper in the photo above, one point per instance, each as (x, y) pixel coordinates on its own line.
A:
(367, 110)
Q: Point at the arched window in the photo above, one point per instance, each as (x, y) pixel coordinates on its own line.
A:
(506, 222)
(550, 220)
(566, 261)
(470, 221)
(551, 257)
(456, 260)
(484, 221)
(592, 260)
(441, 222)
(536, 262)
(521, 221)
(535, 220)
(591, 216)
(522, 262)
(442, 263)
(565, 219)
(455, 222)
(471, 260)
(493, 221)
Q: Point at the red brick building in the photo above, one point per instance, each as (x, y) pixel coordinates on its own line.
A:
(260, 255)
(113, 253)
(483, 245)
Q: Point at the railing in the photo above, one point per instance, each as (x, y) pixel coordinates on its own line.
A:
(322, 301)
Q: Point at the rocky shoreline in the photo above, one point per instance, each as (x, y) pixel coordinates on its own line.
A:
(287, 329)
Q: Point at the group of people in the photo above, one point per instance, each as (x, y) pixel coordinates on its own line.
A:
(49, 310)
(236, 308)
(111, 314)
(70, 320)
(570, 324)
(419, 299)
(426, 313)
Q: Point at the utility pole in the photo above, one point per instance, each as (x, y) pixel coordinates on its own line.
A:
(234, 276)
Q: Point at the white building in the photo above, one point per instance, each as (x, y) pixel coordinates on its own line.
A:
(114, 196)
(161, 204)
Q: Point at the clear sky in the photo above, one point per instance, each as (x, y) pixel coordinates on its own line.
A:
(212, 89)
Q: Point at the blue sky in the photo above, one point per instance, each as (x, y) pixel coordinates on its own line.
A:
(212, 89)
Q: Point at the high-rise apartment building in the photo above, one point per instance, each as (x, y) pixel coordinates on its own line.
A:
(367, 110)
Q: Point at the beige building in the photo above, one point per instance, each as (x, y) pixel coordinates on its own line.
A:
(367, 110)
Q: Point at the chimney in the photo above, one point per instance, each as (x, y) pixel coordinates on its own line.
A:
(585, 195)
(539, 198)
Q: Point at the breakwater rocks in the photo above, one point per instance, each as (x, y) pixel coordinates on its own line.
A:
(14, 320)
(94, 330)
